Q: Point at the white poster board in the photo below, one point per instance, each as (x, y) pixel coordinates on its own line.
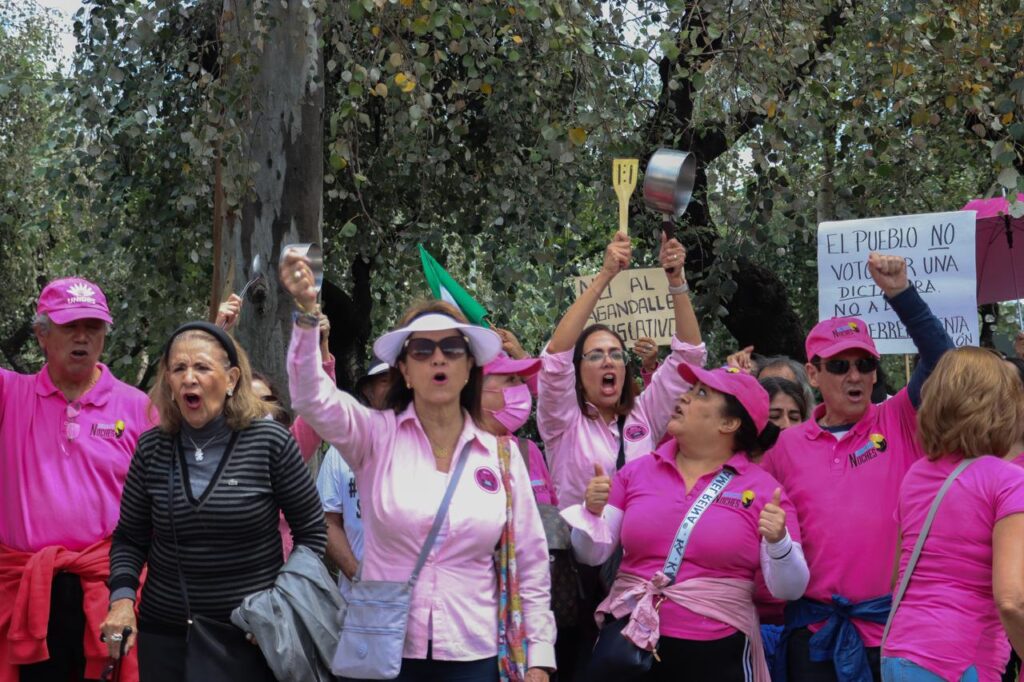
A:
(939, 248)
(635, 304)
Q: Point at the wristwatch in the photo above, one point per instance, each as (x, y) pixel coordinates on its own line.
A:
(681, 289)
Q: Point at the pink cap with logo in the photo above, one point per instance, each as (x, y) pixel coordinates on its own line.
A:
(503, 364)
(833, 336)
(73, 298)
(740, 385)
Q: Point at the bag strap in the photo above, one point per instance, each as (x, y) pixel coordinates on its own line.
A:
(620, 461)
(898, 597)
(174, 532)
(696, 511)
(442, 511)
(524, 450)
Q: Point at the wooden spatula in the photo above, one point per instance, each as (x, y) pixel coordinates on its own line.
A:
(624, 173)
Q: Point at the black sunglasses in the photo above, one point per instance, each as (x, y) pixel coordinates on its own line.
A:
(453, 347)
(864, 365)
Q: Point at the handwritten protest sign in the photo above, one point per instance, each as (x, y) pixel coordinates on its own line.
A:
(635, 304)
(939, 248)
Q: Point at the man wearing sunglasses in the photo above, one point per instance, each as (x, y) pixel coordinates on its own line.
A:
(842, 469)
(67, 435)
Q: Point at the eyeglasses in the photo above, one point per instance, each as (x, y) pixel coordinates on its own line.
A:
(453, 347)
(597, 356)
(72, 427)
(864, 365)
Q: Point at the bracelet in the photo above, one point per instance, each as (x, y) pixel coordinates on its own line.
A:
(305, 320)
(681, 289)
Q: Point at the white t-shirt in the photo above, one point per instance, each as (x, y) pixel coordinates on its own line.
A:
(337, 487)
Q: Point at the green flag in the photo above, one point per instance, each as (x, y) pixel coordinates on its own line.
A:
(446, 288)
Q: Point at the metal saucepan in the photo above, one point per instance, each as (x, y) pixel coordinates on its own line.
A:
(255, 275)
(668, 186)
(315, 256)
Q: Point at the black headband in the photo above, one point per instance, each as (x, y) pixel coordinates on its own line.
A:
(211, 329)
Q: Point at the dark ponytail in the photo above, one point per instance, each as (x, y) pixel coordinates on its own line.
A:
(747, 439)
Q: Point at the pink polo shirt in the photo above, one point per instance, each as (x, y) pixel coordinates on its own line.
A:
(574, 442)
(725, 542)
(845, 494)
(948, 619)
(60, 492)
(455, 601)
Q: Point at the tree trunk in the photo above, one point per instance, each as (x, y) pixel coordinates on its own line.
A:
(284, 155)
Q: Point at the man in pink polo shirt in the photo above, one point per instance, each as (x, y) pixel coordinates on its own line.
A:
(842, 470)
(67, 434)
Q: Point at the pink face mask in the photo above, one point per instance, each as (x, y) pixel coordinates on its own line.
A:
(518, 402)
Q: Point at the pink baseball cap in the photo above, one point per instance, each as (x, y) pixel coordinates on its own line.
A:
(503, 364)
(831, 337)
(73, 298)
(735, 382)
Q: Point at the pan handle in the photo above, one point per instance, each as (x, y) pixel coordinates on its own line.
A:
(668, 226)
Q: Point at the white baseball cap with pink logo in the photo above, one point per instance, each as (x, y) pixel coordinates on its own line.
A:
(73, 298)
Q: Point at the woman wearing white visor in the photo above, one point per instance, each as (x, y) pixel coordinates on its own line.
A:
(403, 457)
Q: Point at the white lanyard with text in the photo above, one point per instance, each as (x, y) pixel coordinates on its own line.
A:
(701, 505)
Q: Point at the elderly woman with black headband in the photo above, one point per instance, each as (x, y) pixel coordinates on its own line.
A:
(404, 458)
(200, 506)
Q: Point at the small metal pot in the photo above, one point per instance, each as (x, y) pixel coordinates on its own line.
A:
(314, 255)
(668, 181)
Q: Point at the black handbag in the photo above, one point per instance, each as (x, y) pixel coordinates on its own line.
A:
(214, 651)
(615, 658)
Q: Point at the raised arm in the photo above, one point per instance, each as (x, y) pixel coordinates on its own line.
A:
(673, 256)
(617, 256)
(930, 337)
(337, 416)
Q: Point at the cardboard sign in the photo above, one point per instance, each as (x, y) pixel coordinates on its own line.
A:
(635, 304)
(939, 248)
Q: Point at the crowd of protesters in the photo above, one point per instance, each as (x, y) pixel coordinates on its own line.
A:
(767, 519)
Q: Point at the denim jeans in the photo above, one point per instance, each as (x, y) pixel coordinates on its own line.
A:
(903, 670)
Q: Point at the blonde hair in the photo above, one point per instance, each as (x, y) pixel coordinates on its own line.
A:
(971, 405)
(240, 409)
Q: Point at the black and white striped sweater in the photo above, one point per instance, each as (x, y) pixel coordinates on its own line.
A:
(228, 539)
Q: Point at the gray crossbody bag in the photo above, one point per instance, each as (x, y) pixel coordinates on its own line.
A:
(376, 612)
(915, 555)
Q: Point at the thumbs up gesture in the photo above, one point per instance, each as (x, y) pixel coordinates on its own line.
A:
(772, 524)
(598, 490)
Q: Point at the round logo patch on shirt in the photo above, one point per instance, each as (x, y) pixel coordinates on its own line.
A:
(748, 498)
(635, 432)
(486, 479)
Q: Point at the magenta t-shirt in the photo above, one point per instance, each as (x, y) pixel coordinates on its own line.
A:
(845, 494)
(724, 544)
(948, 620)
(56, 490)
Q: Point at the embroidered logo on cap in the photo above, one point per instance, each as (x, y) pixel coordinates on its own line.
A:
(486, 479)
(732, 370)
(635, 432)
(81, 293)
(845, 330)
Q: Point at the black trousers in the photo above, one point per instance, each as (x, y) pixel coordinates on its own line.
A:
(801, 668)
(715, 660)
(64, 635)
(429, 670)
(162, 659)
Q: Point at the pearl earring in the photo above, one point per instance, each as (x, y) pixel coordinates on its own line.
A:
(231, 392)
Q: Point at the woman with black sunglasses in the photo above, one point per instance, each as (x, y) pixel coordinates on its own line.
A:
(403, 457)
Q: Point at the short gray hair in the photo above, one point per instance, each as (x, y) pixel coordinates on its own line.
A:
(796, 368)
(41, 322)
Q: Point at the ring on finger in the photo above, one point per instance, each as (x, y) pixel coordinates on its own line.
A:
(298, 275)
(116, 637)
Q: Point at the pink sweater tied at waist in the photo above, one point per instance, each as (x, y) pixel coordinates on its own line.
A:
(729, 600)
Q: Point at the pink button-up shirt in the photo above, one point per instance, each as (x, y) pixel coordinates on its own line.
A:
(455, 601)
(574, 442)
(60, 491)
